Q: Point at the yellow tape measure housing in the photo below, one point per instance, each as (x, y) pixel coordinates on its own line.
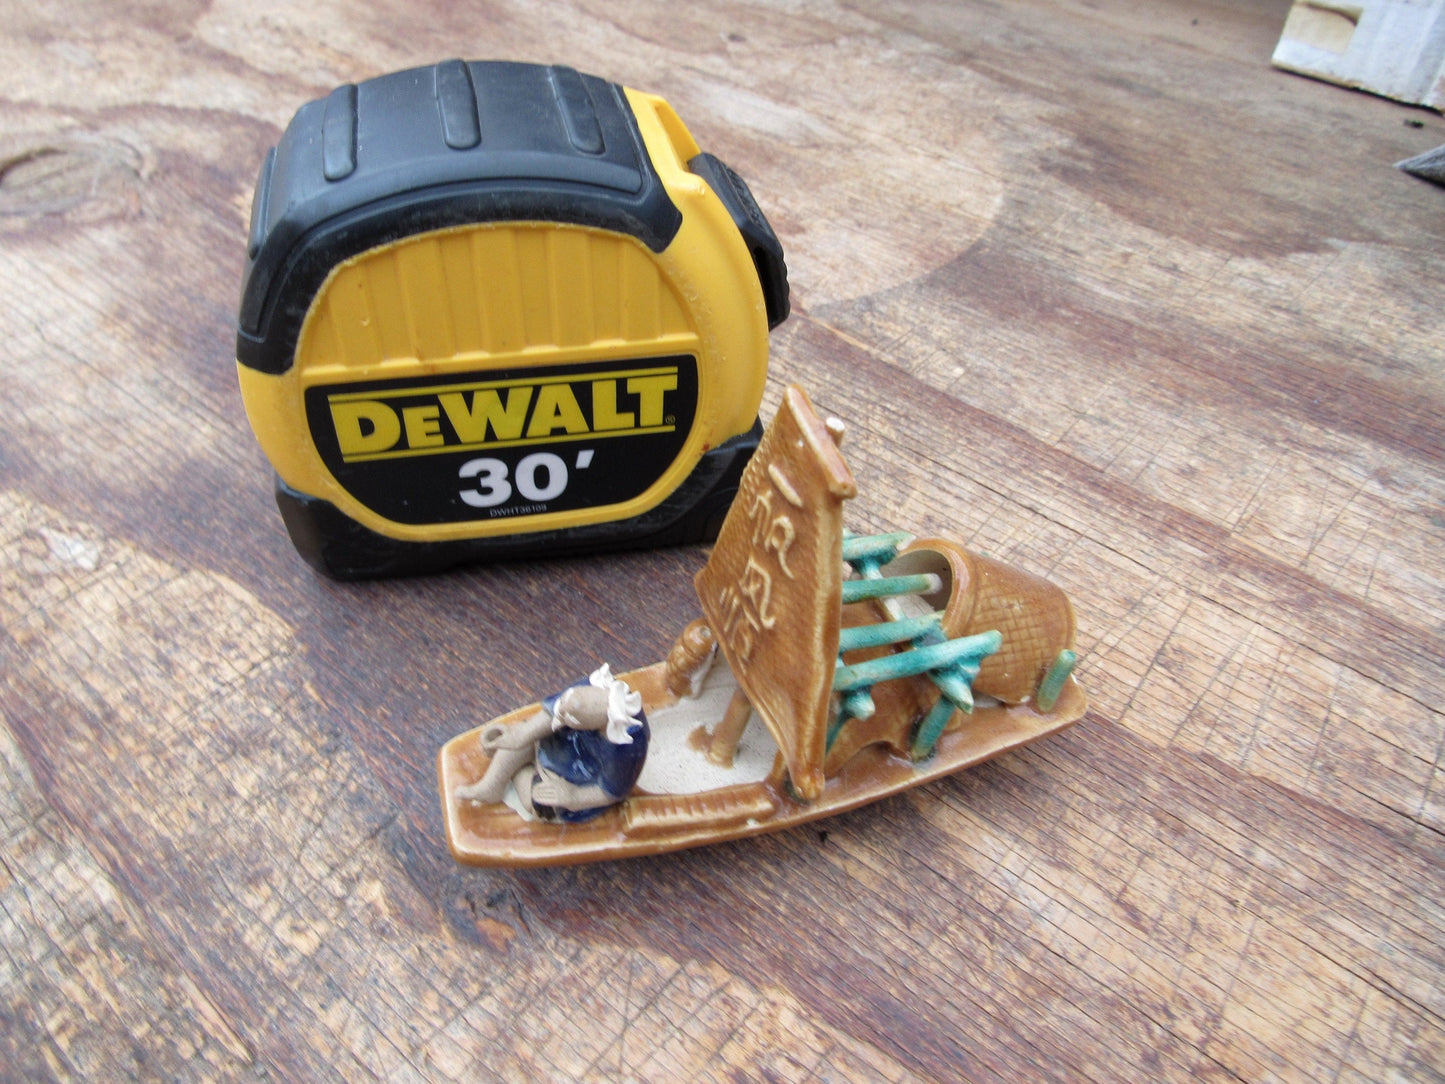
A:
(499, 309)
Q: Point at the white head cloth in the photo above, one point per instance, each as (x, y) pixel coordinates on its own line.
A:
(623, 704)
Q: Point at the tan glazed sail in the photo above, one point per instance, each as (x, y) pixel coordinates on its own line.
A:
(771, 591)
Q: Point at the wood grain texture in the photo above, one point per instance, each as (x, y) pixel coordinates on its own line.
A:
(1096, 291)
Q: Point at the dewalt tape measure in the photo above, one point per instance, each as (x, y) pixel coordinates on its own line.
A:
(496, 310)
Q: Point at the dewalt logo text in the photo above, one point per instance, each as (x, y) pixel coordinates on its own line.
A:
(435, 419)
(513, 442)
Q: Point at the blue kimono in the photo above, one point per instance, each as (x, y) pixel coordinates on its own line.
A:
(585, 757)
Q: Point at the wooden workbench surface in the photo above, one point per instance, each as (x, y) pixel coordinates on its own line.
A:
(1096, 291)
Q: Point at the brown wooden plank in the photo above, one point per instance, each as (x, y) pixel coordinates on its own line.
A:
(1095, 289)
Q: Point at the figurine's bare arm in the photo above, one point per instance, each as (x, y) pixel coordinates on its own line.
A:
(511, 748)
(560, 794)
(521, 735)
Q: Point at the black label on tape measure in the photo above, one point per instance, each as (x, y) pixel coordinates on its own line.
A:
(499, 443)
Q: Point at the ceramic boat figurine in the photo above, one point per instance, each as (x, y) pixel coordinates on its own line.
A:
(828, 670)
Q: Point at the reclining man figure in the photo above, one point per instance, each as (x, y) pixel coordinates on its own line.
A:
(580, 754)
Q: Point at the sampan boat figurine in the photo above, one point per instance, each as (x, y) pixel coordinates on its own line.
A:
(828, 670)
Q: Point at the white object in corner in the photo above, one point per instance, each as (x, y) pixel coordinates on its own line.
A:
(1395, 48)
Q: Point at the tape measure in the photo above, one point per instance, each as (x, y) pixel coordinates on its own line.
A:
(497, 310)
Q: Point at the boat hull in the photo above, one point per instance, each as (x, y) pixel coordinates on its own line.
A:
(644, 824)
